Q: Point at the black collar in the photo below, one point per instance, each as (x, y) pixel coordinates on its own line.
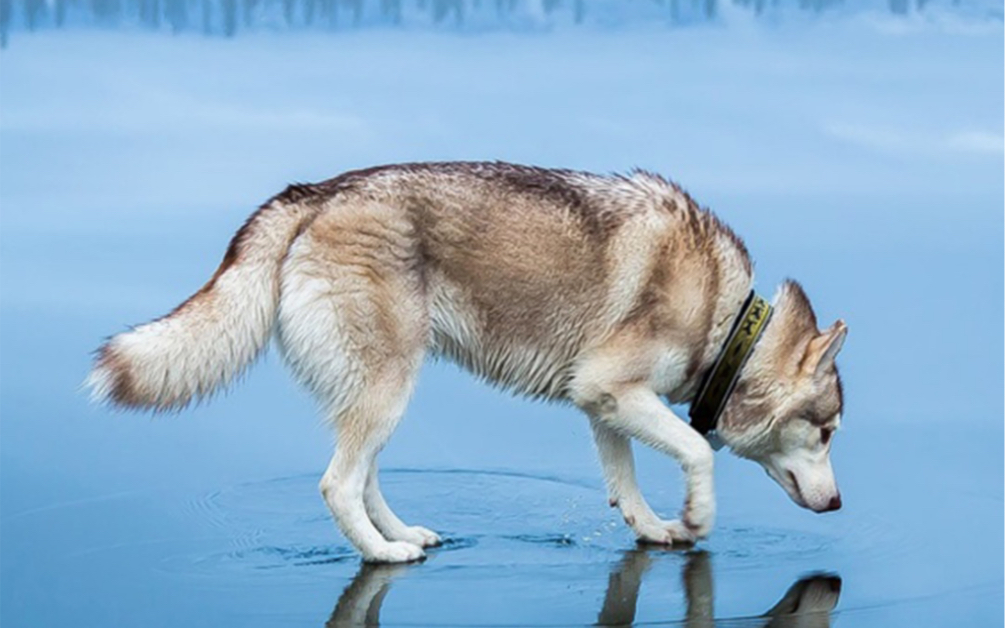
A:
(719, 381)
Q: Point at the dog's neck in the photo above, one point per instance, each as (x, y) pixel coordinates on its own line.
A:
(733, 281)
(727, 308)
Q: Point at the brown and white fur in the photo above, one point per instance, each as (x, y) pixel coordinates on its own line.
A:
(607, 292)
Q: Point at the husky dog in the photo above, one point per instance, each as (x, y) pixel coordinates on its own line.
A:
(609, 292)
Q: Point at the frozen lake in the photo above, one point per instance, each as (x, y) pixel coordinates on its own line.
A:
(862, 156)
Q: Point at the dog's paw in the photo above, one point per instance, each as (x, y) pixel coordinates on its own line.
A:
(395, 552)
(673, 533)
(699, 517)
(423, 537)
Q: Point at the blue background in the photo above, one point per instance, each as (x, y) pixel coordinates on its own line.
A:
(861, 155)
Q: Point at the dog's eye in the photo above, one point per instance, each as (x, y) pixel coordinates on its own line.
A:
(825, 435)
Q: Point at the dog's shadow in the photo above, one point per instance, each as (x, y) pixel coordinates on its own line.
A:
(807, 603)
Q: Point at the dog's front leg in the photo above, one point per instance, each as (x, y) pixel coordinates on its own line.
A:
(637, 412)
(615, 452)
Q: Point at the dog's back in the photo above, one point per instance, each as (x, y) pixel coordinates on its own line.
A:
(525, 268)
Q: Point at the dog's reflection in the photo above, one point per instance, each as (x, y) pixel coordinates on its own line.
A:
(359, 604)
(807, 604)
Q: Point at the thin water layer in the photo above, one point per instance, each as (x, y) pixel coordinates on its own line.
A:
(519, 549)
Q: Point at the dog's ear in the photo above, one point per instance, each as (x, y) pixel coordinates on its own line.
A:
(822, 350)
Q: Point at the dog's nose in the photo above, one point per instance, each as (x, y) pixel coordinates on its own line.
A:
(834, 503)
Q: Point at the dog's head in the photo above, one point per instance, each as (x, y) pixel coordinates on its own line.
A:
(787, 405)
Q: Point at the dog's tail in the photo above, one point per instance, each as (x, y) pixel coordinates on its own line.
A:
(218, 332)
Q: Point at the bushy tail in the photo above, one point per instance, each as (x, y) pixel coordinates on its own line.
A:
(214, 335)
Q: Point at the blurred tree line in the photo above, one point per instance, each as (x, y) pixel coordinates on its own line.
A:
(228, 17)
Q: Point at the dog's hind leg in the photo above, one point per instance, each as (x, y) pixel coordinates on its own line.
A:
(354, 326)
(344, 485)
(393, 528)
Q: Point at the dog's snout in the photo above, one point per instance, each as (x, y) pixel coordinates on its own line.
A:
(834, 503)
